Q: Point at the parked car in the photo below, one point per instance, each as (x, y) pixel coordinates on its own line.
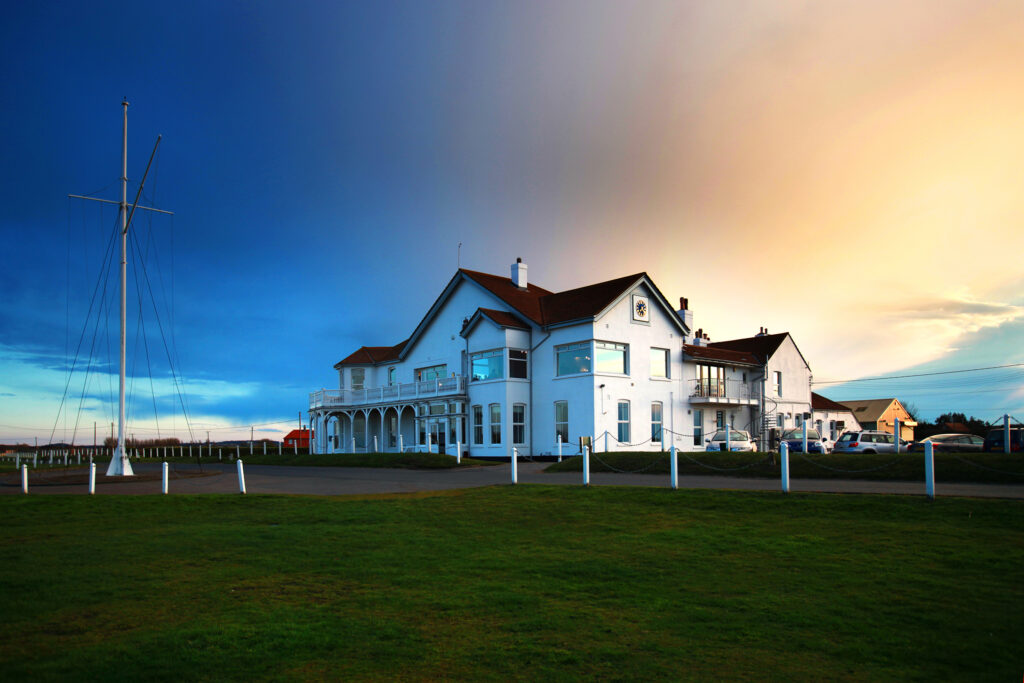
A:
(795, 440)
(739, 440)
(949, 443)
(865, 442)
(994, 440)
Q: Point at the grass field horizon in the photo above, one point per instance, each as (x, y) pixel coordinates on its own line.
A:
(535, 582)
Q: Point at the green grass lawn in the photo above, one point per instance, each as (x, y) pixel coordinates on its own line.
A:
(529, 582)
(992, 468)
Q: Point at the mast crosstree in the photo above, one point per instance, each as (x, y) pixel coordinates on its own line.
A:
(119, 463)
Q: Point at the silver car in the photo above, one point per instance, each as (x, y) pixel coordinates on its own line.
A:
(865, 442)
(739, 440)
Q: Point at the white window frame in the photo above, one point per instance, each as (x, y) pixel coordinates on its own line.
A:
(495, 424)
(587, 346)
(668, 363)
(478, 425)
(657, 430)
(778, 383)
(519, 438)
(622, 434)
(490, 353)
(564, 429)
(615, 346)
(525, 361)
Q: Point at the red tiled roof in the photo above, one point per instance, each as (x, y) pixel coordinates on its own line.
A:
(297, 434)
(819, 402)
(368, 355)
(526, 301)
(503, 318)
(762, 346)
(584, 302)
(722, 355)
(534, 303)
(548, 308)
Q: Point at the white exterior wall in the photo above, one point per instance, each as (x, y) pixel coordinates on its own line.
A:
(827, 416)
(617, 325)
(796, 382)
(507, 391)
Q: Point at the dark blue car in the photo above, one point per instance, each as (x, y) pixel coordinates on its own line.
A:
(794, 438)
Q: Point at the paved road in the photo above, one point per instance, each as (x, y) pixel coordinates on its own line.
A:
(334, 481)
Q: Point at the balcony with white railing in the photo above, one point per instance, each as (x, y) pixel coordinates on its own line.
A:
(395, 393)
(727, 391)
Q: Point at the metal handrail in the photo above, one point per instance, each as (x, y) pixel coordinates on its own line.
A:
(332, 398)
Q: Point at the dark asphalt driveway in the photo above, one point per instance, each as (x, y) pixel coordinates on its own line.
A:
(338, 481)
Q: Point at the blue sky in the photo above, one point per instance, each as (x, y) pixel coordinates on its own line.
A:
(324, 161)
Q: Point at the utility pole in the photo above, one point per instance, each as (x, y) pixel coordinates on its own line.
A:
(94, 436)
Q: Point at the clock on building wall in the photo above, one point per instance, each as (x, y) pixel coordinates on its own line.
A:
(641, 309)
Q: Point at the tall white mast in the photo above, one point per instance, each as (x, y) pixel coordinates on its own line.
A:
(119, 463)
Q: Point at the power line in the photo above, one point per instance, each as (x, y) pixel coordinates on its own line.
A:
(922, 374)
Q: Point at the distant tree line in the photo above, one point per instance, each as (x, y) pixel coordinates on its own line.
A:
(951, 422)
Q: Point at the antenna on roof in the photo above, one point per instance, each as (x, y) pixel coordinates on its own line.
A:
(458, 259)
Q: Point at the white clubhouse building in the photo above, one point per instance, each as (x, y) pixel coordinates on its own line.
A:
(498, 362)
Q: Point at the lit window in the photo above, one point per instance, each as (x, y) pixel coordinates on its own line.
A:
(610, 357)
(518, 423)
(517, 364)
(623, 422)
(434, 372)
(656, 422)
(659, 362)
(478, 425)
(495, 423)
(573, 358)
(562, 421)
(486, 365)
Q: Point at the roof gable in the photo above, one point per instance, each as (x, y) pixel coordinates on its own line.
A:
(819, 402)
(763, 346)
(869, 410)
(502, 319)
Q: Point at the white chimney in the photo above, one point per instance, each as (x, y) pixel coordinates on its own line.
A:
(686, 315)
(519, 274)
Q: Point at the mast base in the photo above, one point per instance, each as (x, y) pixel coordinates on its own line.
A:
(119, 465)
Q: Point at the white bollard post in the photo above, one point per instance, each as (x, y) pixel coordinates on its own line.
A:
(805, 436)
(190, 451)
(929, 470)
(218, 455)
(401, 444)
(606, 441)
(163, 487)
(241, 477)
(250, 446)
(784, 462)
(279, 448)
(728, 438)
(79, 456)
(428, 442)
(1006, 433)
(515, 465)
(92, 478)
(296, 445)
(17, 462)
(559, 448)
(674, 467)
(352, 444)
(34, 457)
(586, 465)
(24, 479)
(896, 433)
(458, 452)
(375, 444)
(238, 452)
(264, 448)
